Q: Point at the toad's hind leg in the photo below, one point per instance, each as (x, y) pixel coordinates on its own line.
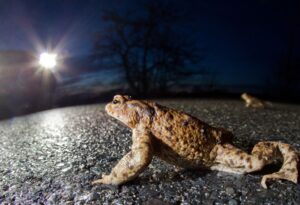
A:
(231, 159)
(288, 155)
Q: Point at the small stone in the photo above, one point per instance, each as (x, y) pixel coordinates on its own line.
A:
(244, 191)
(92, 197)
(233, 202)
(96, 170)
(67, 169)
(68, 194)
(83, 197)
(60, 165)
(53, 199)
(5, 187)
(213, 195)
(229, 191)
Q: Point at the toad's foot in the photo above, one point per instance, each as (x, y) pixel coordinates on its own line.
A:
(290, 175)
(106, 179)
(231, 159)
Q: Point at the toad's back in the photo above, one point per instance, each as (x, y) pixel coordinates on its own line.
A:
(184, 140)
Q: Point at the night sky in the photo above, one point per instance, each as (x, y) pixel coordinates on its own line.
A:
(242, 38)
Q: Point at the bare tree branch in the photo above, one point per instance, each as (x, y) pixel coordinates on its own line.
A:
(148, 47)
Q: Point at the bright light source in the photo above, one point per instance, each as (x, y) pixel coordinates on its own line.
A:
(48, 60)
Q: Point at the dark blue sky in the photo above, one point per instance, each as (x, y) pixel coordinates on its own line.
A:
(242, 38)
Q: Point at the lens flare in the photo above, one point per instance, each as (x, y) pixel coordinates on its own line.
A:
(48, 60)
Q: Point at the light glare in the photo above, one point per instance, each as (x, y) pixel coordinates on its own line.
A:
(48, 60)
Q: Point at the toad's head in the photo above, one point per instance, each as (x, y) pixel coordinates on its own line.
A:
(131, 112)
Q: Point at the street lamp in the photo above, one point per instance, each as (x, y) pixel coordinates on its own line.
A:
(48, 60)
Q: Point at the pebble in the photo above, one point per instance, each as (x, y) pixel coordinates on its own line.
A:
(229, 191)
(5, 187)
(233, 202)
(67, 169)
(53, 199)
(60, 165)
(92, 197)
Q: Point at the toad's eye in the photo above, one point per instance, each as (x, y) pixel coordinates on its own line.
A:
(115, 101)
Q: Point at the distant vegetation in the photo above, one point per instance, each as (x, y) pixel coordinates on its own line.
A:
(148, 45)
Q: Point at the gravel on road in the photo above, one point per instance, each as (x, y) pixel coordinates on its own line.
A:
(51, 157)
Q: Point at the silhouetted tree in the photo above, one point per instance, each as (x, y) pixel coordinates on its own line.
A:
(148, 45)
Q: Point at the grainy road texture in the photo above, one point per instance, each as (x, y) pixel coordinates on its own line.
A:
(51, 157)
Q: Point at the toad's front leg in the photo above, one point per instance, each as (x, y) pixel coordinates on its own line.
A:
(133, 163)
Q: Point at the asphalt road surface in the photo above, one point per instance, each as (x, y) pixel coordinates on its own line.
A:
(51, 157)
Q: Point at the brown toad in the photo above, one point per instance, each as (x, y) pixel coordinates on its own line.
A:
(254, 102)
(185, 141)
